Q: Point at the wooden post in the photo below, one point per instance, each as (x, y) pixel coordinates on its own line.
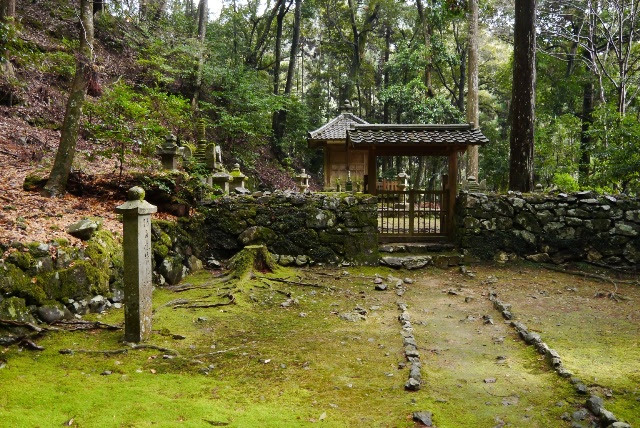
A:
(372, 171)
(453, 190)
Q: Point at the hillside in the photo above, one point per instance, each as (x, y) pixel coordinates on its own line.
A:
(42, 54)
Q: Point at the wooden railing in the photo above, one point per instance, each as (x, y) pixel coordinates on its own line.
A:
(413, 213)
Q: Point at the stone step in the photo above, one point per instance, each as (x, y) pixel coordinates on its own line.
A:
(440, 260)
(416, 247)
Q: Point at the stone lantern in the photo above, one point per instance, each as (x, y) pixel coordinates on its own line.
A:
(220, 179)
(302, 181)
(169, 153)
(238, 179)
(403, 181)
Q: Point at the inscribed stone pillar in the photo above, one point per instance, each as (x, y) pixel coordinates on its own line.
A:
(137, 265)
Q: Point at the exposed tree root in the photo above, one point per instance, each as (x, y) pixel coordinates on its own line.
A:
(191, 305)
(613, 295)
(251, 259)
(136, 346)
(590, 275)
(288, 281)
(74, 325)
(30, 326)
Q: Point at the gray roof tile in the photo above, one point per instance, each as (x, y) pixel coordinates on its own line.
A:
(365, 135)
(337, 128)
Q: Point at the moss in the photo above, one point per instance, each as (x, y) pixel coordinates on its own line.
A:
(21, 259)
(105, 254)
(15, 282)
(35, 181)
(78, 281)
(160, 251)
(61, 242)
(251, 259)
(15, 309)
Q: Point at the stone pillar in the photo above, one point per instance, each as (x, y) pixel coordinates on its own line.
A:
(137, 265)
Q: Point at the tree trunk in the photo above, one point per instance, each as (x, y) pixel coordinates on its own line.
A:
(7, 15)
(523, 97)
(7, 9)
(472, 95)
(585, 138)
(280, 117)
(276, 124)
(202, 32)
(295, 43)
(69, 136)
(426, 34)
(387, 52)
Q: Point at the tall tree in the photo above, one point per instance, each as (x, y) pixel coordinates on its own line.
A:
(280, 116)
(427, 32)
(7, 16)
(472, 94)
(202, 32)
(523, 97)
(84, 75)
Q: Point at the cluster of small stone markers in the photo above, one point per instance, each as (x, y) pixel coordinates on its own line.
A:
(209, 155)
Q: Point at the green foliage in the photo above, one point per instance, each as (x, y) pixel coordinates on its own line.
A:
(616, 150)
(557, 147)
(565, 182)
(136, 119)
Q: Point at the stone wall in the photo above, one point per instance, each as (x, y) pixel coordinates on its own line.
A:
(298, 228)
(558, 228)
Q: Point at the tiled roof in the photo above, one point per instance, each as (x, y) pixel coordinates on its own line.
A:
(465, 134)
(337, 128)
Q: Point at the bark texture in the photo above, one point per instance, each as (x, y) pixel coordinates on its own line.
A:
(523, 97)
(202, 32)
(59, 176)
(472, 95)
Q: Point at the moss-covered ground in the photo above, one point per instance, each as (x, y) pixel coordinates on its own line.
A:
(597, 337)
(256, 363)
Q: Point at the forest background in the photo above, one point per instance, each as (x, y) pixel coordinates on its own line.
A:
(259, 75)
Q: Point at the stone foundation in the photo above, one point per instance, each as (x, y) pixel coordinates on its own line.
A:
(550, 228)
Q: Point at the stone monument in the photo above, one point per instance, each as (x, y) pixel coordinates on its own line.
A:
(136, 244)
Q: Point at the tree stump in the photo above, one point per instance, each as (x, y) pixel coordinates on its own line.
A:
(252, 258)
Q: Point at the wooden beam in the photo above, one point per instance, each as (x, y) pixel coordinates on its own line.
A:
(327, 172)
(372, 171)
(453, 191)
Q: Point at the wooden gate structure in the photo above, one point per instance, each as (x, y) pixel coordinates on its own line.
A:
(351, 148)
(414, 214)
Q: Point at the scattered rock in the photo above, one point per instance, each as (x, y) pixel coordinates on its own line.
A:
(83, 229)
(106, 373)
(425, 418)
(381, 286)
(412, 385)
(580, 415)
(52, 313)
(352, 316)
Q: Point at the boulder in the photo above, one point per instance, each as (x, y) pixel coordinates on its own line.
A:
(257, 235)
(83, 229)
(15, 309)
(172, 270)
(53, 312)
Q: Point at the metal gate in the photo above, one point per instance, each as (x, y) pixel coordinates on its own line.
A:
(413, 213)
